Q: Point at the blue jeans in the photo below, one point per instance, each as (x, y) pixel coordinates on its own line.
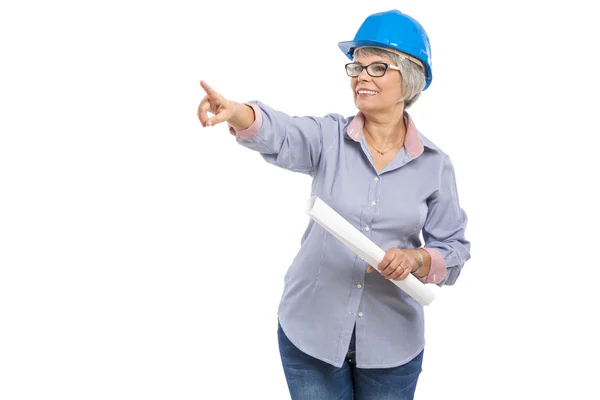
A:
(312, 379)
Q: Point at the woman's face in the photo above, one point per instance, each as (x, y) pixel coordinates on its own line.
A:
(375, 94)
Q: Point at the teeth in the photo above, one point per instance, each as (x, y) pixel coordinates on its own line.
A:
(366, 92)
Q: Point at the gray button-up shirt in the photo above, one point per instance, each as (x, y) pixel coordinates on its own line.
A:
(327, 292)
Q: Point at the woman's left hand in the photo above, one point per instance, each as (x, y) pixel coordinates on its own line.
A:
(396, 265)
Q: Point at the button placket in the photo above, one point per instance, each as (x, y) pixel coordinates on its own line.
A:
(369, 210)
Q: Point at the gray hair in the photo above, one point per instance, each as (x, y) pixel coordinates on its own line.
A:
(413, 76)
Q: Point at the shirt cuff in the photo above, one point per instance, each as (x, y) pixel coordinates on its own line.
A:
(437, 271)
(252, 129)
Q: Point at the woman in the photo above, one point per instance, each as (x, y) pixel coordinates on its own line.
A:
(346, 333)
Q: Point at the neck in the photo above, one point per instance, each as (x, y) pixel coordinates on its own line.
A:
(385, 128)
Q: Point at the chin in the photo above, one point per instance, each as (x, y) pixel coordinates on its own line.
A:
(365, 107)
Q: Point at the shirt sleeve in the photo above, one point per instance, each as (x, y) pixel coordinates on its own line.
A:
(444, 230)
(293, 143)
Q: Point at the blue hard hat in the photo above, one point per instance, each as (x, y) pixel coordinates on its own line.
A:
(394, 30)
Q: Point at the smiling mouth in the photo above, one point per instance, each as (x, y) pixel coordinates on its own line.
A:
(366, 92)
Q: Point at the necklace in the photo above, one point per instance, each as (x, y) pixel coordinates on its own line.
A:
(379, 151)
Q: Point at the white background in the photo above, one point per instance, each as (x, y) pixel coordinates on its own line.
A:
(142, 256)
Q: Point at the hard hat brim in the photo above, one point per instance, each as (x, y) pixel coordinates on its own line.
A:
(349, 46)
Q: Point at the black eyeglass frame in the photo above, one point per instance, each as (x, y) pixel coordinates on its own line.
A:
(362, 67)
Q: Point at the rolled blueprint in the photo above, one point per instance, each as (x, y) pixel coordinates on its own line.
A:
(326, 216)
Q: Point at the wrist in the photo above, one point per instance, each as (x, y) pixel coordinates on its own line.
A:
(418, 262)
(242, 115)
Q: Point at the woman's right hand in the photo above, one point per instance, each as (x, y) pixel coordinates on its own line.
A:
(214, 103)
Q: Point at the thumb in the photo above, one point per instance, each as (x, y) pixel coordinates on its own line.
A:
(222, 114)
(370, 269)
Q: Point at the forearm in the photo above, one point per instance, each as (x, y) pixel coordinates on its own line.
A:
(293, 143)
(243, 117)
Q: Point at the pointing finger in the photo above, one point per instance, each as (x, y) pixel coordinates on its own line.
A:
(212, 94)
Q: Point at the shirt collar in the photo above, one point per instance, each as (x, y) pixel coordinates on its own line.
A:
(412, 142)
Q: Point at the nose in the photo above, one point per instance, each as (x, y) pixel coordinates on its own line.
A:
(363, 76)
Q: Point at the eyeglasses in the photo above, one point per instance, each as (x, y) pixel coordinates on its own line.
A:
(375, 69)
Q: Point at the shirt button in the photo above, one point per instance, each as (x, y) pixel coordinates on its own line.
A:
(359, 286)
(360, 314)
(373, 203)
(367, 228)
(376, 179)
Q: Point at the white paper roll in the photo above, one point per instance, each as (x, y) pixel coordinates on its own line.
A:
(329, 219)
